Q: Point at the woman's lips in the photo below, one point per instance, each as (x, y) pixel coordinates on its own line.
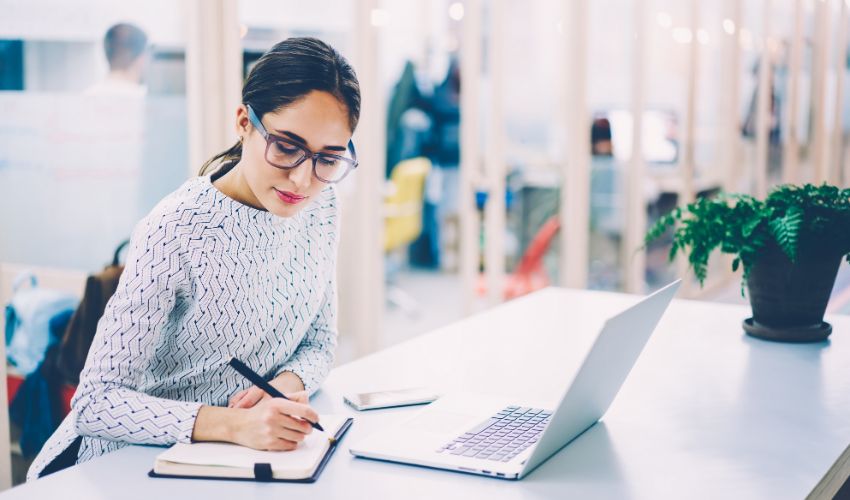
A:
(290, 198)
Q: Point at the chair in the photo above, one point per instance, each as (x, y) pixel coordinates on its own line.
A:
(403, 222)
(529, 274)
(60, 279)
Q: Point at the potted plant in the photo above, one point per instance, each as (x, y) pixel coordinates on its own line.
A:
(790, 246)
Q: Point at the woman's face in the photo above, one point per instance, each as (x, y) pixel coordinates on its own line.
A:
(319, 122)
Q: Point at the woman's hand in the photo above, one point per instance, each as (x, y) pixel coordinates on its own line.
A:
(255, 419)
(273, 424)
(268, 424)
(288, 383)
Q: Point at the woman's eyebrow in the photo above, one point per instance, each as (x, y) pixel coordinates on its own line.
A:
(298, 138)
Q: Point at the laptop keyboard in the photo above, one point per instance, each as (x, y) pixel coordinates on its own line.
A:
(503, 436)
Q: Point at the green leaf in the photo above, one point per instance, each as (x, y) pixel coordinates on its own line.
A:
(750, 226)
(786, 231)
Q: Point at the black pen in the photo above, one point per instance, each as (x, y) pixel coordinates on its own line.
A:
(262, 384)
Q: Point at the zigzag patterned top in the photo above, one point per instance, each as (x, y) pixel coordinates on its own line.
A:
(207, 278)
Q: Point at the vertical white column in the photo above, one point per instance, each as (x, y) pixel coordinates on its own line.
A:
(494, 212)
(361, 264)
(730, 120)
(213, 78)
(470, 157)
(763, 106)
(687, 192)
(634, 263)
(819, 140)
(836, 170)
(791, 147)
(575, 185)
(730, 101)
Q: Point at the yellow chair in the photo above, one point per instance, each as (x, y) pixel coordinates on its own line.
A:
(403, 205)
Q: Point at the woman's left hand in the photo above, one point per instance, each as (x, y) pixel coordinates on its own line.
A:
(249, 397)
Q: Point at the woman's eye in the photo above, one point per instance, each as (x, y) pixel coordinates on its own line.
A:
(329, 162)
(284, 149)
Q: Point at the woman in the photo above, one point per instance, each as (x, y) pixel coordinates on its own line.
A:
(236, 263)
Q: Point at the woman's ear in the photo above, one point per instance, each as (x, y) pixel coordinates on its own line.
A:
(243, 124)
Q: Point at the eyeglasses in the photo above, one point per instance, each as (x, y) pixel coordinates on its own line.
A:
(287, 154)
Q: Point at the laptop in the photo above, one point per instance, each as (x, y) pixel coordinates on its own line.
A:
(499, 438)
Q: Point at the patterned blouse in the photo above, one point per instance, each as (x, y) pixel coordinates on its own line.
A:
(207, 278)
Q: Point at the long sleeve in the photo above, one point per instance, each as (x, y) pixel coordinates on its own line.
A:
(314, 357)
(108, 402)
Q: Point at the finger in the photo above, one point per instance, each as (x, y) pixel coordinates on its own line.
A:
(295, 409)
(299, 397)
(284, 427)
(291, 435)
(236, 397)
(251, 398)
(263, 397)
(241, 402)
(301, 426)
(286, 445)
(278, 444)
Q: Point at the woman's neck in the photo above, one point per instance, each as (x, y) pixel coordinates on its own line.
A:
(233, 185)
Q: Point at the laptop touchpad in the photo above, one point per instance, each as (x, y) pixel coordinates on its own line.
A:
(440, 421)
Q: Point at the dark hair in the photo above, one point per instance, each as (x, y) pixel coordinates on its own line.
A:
(289, 71)
(123, 44)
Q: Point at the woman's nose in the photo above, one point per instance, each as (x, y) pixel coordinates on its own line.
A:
(301, 175)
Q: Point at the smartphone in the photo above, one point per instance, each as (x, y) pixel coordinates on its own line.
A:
(390, 399)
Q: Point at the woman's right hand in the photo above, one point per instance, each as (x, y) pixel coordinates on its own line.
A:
(273, 424)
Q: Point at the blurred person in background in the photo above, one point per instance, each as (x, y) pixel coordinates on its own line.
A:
(126, 47)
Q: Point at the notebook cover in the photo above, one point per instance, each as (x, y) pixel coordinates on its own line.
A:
(312, 479)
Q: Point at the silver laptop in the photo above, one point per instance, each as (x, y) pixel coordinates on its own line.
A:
(482, 435)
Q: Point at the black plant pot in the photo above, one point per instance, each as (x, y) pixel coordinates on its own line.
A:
(789, 299)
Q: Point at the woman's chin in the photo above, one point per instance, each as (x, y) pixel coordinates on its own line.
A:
(281, 210)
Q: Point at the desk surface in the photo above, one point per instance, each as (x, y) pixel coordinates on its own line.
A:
(706, 413)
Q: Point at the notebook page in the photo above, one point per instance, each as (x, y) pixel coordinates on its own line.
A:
(308, 453)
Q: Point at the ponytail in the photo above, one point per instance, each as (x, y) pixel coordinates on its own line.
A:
(232, 155)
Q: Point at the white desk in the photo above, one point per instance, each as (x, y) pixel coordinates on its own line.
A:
(706, 413)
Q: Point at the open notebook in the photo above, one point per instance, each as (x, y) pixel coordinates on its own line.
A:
(231, 461)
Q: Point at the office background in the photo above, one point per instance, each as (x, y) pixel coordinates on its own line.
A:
(504, 145)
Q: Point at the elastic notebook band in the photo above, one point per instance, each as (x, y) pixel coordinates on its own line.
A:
(263, 472)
